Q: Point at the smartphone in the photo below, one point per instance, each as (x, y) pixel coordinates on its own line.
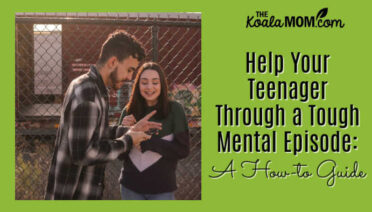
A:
(152, 131)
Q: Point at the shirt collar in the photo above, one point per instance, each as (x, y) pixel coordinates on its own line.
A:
(93, 73)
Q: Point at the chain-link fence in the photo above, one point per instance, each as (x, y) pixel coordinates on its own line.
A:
(54, 48)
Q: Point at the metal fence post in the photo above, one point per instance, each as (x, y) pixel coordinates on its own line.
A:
(155, 30)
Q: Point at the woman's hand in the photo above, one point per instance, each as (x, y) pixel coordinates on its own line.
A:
(138, 137)
(145, 125)
(128, 121)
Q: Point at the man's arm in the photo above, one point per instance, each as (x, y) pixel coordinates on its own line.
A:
(84, 144)
(117, 131)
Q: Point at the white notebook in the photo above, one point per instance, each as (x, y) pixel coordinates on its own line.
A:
(142, 161)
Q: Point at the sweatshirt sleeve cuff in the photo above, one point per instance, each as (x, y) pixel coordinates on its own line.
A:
(127, 141)
(120, 131)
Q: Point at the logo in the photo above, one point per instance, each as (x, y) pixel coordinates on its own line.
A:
(319, 21)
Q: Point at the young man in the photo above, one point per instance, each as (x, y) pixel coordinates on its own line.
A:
(85, 141)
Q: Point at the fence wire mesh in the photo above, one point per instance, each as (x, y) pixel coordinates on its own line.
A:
(54, 48)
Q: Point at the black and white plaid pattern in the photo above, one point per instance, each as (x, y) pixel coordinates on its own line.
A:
(84, 141)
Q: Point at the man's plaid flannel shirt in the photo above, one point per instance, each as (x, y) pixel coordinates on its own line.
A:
(84, 141)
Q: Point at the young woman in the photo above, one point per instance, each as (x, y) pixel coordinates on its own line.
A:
(149, 171)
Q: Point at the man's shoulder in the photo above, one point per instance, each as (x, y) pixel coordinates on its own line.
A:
(83, 80)
(84, 87)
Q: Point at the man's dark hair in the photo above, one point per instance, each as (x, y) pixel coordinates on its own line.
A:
(121, 45)
(137, 104)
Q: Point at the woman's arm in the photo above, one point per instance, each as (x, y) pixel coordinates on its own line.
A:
(179, 147)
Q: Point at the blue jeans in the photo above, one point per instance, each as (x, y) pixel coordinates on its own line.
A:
(127, 194)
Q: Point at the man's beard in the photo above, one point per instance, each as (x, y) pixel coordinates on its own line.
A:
(114, 79)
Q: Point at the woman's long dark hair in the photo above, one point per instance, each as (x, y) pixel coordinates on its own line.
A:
(137, 104)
